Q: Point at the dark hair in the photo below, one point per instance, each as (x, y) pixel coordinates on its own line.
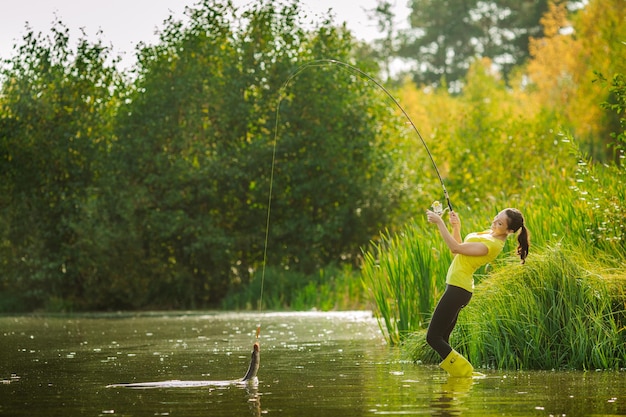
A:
(516, 222)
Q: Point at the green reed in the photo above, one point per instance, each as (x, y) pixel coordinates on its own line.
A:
(404, 274)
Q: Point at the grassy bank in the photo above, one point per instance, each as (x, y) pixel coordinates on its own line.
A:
(560, 311)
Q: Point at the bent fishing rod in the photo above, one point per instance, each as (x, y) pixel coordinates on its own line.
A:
(363, 74)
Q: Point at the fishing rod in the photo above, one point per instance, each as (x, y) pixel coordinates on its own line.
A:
(363, 74)
(353, 69)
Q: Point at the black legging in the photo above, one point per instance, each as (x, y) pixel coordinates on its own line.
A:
(444, 318)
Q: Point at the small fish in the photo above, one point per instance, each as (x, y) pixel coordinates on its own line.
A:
(255, 361)
(249, 377)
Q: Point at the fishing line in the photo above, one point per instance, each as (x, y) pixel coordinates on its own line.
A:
(353, 69)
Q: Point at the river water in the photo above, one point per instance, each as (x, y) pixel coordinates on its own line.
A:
(312, 364)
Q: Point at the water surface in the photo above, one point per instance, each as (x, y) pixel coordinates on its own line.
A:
(312, 364)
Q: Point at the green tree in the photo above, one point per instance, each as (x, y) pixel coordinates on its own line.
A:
(447, 35)
(55, 127)
(196, 143)
(174, 157)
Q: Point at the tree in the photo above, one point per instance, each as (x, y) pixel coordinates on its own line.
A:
(600, 32)
(384, 49)
(55, 128)
(196, 144)
(587, 42)
(153, 192)
(447, 35)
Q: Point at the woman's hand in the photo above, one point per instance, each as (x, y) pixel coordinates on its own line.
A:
(433, 217)
(454, 219)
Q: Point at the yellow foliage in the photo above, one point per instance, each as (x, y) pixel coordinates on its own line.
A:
(552, 69)
(561, 71)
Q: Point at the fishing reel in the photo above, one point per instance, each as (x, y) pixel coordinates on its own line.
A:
(438, 209)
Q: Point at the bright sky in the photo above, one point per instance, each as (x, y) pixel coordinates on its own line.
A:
(125, 23)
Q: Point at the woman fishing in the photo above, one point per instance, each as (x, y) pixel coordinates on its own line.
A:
(475, 251)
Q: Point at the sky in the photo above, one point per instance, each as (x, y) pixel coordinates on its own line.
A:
(125, 23)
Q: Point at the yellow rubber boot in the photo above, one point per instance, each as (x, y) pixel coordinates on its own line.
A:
(456, 365)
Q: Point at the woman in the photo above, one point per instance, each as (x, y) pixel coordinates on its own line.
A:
(477, 250)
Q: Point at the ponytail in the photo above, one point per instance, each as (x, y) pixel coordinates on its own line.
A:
(523, 243)
(516, 222)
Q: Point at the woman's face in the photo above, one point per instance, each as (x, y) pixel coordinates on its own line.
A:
(500, 225)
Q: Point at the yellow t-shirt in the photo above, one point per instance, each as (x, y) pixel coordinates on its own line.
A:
(462, 268)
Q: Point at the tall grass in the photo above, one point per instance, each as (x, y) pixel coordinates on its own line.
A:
(405, 273)
(556, 312)
(559, 311)
(581, 203)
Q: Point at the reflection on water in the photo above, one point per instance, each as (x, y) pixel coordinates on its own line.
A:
(326, 364)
